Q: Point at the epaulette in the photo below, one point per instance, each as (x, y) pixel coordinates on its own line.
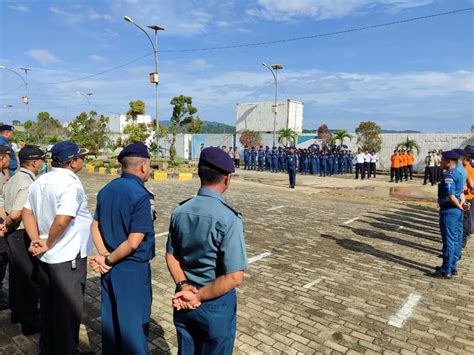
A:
(239, 214)
(183, 202)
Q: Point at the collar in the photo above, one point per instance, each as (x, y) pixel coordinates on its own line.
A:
(26, 171)
(64, 171)
(132, 177)
(210, 193)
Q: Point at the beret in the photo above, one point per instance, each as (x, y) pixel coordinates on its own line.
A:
(218, 159)
(6, 127)
(460, 152)
(138, 150)
(450, 154)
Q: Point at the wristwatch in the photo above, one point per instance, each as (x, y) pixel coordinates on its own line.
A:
(107, 261)
(180, 284)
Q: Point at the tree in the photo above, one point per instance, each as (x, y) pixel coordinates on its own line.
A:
(324, 135)
(183, 114)
(409, 144)
(136, 133)
(368, 136)
(89, 131)
(340, 135)
(250, 138)
(16, 123)
(136, 108)
(195, 126)
(287, 136)
(44, 129)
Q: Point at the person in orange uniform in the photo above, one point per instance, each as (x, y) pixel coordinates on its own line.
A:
(467, 160)
(395, 166)
(403, 165)
(411, 161)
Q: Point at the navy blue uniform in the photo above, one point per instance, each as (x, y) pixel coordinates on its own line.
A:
(449, 216)
(206, 236)
(125, 206)
(281, 160)
(253, 157)
(13, 161)
(246, 159)
(261, 157)
(275, 161)
(291, 162)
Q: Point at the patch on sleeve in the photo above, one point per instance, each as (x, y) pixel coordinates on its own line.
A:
(79, 196)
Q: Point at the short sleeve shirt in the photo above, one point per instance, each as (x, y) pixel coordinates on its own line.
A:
(451, 184)
(207, 237)
(15, 191)
(125, 206)
(60, 192)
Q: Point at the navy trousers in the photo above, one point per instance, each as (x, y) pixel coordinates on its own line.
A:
(292, 176)
(209, 329)
(126, 308)
(449, 225)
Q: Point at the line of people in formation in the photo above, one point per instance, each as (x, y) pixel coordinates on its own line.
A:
(48, 235)
(455, 200)
(401, 167)
(330, 161)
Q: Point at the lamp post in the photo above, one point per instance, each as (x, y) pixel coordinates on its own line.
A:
(25, 81)
(86, 95)
(274, 70)
(153, 76)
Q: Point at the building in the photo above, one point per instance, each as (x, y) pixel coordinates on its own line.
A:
(117, 123)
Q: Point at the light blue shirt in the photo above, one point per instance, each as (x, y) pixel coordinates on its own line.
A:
(207, 237)
(462, 170)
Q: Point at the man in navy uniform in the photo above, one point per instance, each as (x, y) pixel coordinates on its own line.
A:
(124, 237)
(451, 207)
(261, 158)
(253, 157)
(206, 257)
(6, 136)
(292, 166)
(274, 160)
(246, 158)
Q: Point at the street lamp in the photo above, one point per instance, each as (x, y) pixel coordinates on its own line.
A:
(25, 81)
(86, 95)
(154, 75)
(274, 69)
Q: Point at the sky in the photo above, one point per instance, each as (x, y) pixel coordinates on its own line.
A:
(416, 75)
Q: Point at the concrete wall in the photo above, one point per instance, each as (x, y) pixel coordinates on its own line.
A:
(188, 146)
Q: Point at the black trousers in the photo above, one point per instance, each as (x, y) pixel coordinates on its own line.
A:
(410, 171)
(23, 279)
(395, 173)
(373, 169)
(237, 163)
(62, 300)
(360, 169)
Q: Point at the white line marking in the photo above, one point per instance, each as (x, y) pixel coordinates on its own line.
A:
(275, 208)
(405, 312)
(161, 234)
(400, 228)
(259, 257)
(315, 282)
(351, 220)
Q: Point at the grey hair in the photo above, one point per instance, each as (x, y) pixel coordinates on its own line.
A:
(131, 162)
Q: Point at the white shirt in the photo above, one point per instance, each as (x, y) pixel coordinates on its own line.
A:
(360, 158)
(373, 158)
(60, 192)
(367, 158)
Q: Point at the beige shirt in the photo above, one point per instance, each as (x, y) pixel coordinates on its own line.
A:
(15, 191)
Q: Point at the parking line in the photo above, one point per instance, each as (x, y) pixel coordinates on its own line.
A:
(315, 282)
(259, 257)
(161, 234)
(398, 319)
(351, 220)
(275, 208)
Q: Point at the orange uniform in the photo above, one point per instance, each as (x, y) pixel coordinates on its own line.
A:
(470, 175)
(411, 159)
(395, 161)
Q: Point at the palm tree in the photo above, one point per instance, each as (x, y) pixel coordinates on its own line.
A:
(409, 144)
(287, 135)
(340, 135)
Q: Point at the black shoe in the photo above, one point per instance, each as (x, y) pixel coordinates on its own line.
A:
(454, 272)
(28, 329)
(441, 275)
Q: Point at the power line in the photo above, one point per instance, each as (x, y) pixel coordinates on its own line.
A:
(15, 89)
(334, 33)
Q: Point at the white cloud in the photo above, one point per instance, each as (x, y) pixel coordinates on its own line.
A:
(19, 7)
(96, 57)
(77, 14)
(43, 56)
(284, 11)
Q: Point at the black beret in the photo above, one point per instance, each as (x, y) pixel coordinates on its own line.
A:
(217, 159)
(6, 127)
(138, 150)
(451, 155)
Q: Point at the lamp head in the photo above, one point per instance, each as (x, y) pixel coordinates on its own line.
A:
(128, 19)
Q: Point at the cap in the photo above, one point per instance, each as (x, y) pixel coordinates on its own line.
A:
(31, 152)
(138, 150)
(450, 154)
(5, 149)
(66, 150)
(6, 127)
(460, 152)
(217, 159)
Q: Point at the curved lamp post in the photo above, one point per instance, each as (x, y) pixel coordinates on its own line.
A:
(25, 99)
(153, 76)
(274, 70)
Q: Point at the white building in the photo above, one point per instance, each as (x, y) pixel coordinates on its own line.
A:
(118, 122)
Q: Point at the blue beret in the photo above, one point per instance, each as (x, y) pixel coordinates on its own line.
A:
(66, 150)
(460, 152)
(6, 127)
(217, 159)
(138, 150)
(450, 154)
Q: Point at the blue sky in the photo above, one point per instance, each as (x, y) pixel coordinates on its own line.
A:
(416, 75)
